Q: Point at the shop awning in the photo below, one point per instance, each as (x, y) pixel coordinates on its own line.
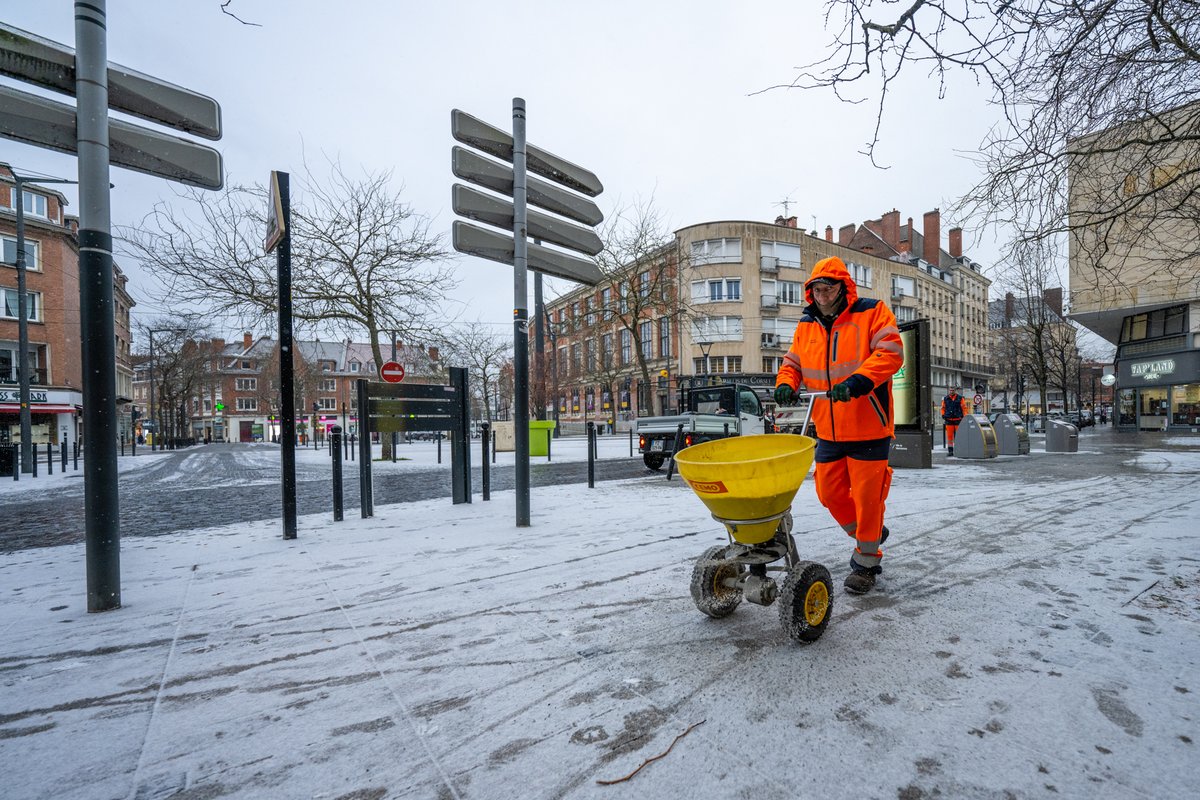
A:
(37, 408)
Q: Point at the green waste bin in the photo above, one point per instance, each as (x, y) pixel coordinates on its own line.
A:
(540, 431)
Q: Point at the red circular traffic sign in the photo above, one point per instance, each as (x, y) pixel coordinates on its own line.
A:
(392, 372)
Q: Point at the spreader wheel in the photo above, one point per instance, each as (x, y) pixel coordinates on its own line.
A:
(653, 461)
(709, 591)
(806, 601)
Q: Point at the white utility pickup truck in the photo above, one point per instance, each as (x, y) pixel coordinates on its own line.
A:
(713, 412)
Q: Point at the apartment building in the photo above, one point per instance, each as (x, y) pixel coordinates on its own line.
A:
(52, 291)
(740, 291)
(1134, 263)
(1012, 322)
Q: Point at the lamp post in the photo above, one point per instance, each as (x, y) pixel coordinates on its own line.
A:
(23, 321)
(704, 348)
(154, 409)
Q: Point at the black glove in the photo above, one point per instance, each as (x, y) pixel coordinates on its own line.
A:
(854, 386)
(784, 395)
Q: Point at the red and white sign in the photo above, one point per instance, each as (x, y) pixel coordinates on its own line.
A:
(392, 372)
(978, 399)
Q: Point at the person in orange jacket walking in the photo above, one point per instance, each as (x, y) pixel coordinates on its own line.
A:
(849, 347)
(953, 408)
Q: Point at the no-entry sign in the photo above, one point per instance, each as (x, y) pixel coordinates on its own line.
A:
(392, 372)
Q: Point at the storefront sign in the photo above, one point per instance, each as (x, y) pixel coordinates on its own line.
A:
(14, 396)
(1152, 370)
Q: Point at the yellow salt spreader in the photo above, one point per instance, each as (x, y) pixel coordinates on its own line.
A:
(748, 483)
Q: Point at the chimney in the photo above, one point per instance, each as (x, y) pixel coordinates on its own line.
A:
(891, 229)
(247, 341)
(791, 222)
(780, 220)
(1010, 308)
(433, 354)
(908, 234)
(956, 242)
(933, 237)
(1053, 298)
(829, 233)
(846, 234)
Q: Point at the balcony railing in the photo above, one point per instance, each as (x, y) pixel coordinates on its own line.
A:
(37, 377)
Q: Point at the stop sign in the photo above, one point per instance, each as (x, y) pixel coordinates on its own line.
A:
(392, 372)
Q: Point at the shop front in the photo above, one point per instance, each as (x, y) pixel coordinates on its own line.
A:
(53, 416)
(1159, 393)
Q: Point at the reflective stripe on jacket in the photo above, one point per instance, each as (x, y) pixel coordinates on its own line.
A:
(863, 340)
(953, 408)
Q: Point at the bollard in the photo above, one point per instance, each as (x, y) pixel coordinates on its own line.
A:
(63, 447)
(122, 449)
(335, 451)
(591, 440)
(49, 459)
(33, 462)
(439, 441)
(132, 451)
(675, 449)
(16, 462)
(493, 447)
(548, 439)
(352, 448)
(631, 442)
(487, 472)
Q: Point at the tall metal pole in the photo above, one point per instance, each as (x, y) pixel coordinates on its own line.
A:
(393, 335)
(100, 500)
(287, 387)
(520, 317)
(153, 414)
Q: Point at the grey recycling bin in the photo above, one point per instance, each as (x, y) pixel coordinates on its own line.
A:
(976, 438)
(1012, 437)
(1062, 437)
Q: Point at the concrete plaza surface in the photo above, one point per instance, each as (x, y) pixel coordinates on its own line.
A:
(1035, 634)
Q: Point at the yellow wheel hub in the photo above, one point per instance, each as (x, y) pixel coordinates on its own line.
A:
(816, 603)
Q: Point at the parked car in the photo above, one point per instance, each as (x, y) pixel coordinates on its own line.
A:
(1035, 423)
(1081, 419)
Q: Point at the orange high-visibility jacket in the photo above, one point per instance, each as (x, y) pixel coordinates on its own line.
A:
(863, 340)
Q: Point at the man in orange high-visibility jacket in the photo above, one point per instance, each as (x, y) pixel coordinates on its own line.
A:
(953, 409)
(849, 347)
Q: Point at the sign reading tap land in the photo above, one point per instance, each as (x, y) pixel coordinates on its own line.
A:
(498, 212)
(392, 372)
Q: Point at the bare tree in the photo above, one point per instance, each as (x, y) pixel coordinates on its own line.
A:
(640, 263)
(182, 368)
(363, 261)
(485, 354)
(1103, 89)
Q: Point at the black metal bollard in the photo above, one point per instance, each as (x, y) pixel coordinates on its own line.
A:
(439, 441)
(16, 462)
(493, 447)
(33, 461)
(122, 448)
(352, 447)
(63, 448)
(675, 449)
(548, 438)
(487, 472)
(631, 442)
(591, 441)
(335, 451)
(49, 459)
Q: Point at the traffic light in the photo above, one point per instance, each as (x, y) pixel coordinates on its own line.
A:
(316, 406)
(134, 413)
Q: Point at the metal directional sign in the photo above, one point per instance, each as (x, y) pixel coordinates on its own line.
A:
(499, 178)
(51, 65)
(482, 136)
(494, 246)
(492, 210)
(47, 123)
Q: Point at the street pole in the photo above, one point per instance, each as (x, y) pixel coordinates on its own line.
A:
(101, 499)
(287, 389)
(153, 415)
(23, 376)
(394, 437)
(539, 347)
(520, 316)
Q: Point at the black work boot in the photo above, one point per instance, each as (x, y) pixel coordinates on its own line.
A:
(861, 579)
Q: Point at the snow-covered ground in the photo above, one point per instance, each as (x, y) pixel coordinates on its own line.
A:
(1028, 639)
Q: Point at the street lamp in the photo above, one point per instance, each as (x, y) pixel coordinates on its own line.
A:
(704, 348)
(23, 321)
(153, 408)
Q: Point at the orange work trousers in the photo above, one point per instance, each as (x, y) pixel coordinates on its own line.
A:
(951, 429)
(855, 492)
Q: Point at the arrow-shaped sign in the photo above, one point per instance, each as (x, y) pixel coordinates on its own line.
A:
(477, 133)
(51, 65)
(476, 205)
(488, 244)
(499, 178)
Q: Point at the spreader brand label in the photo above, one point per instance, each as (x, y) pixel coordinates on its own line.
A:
(708, 487)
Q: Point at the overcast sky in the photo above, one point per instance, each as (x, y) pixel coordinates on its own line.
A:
(658, 99)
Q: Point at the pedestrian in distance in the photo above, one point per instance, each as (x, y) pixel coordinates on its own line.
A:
(849, 347)
(953, 408)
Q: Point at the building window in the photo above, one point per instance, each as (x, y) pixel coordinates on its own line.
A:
(328, 403)
(606, 303)
(664, 337)
(717, 329)
(246, 384)
(626, 347)
(862, 274)
(10, 310)
(790, 292)
(590, 307)
(329, 385)
(208, 405)
(355, 366)
(606, 351)
(247, 404)
(34, 204)
(33, 253)
(785, 255)
(646, 334)
(771, 364)
(576, 360)
(644, 284)
(589, 355)
(716, 251)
